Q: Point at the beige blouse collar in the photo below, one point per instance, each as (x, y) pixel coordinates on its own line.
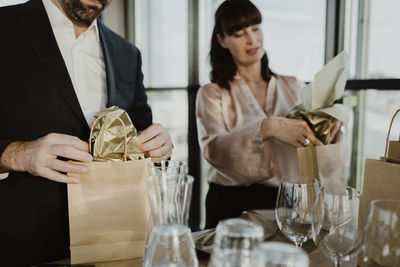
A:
(270, 97)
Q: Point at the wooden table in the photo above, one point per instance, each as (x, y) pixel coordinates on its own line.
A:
(316, 260)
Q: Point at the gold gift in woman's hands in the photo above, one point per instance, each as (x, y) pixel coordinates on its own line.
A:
(318, 107)
(320, 123)
(108, 136)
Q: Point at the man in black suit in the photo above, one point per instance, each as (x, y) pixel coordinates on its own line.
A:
(44, 116)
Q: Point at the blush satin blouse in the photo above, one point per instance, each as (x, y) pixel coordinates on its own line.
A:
(229, 129)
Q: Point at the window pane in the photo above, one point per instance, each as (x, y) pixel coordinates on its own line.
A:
(294, 35)
(384, 45)
(163, 40)
(374, 38)
(380, 107)
(368, 127)
(171, 110)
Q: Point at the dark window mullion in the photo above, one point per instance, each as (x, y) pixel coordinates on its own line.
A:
(377, 84)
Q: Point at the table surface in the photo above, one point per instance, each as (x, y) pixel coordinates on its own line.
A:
(316, 260)
(316, 257)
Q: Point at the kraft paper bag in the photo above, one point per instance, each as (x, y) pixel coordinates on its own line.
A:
(381, 177)
(109, 209)
(109, 212)
(327, 163)
(394, 151)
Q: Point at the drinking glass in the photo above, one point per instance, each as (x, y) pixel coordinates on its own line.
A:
(381, 246)
(294, 207)
(166, 168)
(171, 246)
(335, 226)
(169, 191)
(234, 240)
(278, 254)
(169, 198)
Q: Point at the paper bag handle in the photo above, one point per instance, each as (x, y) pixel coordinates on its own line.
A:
(123, 126)
(388, 135)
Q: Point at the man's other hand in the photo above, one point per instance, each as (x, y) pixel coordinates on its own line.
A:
(156, 142)
(39, 157)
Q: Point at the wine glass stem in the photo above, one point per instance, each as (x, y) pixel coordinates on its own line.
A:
(337, 263)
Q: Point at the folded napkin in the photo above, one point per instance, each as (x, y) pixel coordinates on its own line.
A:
(204, 240)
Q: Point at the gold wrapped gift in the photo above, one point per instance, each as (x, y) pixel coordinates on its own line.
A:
(319, 122)
(113, 136)
(318, 107)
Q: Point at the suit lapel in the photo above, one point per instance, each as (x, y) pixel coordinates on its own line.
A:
(36, 24)
(108, 53)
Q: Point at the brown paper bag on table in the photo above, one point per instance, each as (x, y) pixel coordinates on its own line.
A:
(108, 209)
(321, 112)
(381, 177)
(327, 163)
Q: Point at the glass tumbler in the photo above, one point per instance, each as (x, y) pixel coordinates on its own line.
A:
(171, 246)
(279, 254)
(234, 241)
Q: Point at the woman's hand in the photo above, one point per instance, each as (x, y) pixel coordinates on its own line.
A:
(292, 132)
(336, 132)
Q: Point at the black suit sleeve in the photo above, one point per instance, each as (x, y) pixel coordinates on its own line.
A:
(141, 112)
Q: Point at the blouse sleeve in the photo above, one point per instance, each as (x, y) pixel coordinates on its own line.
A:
(237, 154)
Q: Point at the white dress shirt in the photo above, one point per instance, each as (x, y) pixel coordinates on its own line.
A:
(84, 59)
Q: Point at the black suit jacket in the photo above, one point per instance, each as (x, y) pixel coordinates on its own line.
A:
(36, 98)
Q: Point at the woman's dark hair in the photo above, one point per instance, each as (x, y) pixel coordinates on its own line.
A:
(231, 16)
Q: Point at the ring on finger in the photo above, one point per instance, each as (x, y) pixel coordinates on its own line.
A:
(306, 141)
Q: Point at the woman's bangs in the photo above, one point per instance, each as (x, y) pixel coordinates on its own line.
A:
(240, 17)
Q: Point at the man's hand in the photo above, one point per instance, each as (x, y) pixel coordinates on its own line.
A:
(156, 142)
(39, 157)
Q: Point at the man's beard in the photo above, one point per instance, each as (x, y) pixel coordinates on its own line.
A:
(82, 14)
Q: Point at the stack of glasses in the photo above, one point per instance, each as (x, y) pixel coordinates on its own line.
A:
(169, 189)
(238, 243)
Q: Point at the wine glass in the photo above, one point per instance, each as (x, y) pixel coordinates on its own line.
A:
(294, 207)
(171, 246)
(279, 254)
(335, 226)
(381, 245)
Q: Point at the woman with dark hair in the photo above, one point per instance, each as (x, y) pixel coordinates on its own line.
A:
(240, 118)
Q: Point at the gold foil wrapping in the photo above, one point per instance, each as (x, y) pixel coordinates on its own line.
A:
(319, 122)
(108, 137)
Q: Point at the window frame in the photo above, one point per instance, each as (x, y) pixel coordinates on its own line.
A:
(334, 43)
